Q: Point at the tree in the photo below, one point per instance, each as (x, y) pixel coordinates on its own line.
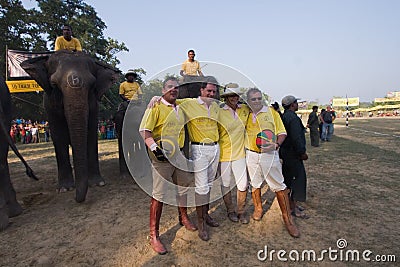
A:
(36, 30)
(17, 30)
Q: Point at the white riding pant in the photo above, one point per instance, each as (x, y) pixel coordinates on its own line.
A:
(265, 166)
(236, 169)
(205, 162)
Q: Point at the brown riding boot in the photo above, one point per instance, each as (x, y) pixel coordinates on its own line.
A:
(182, 211)
(241, 204)
(201, 221)
(283, 200)
(258, 210)
(209, 220)
(155, 215)
(230, 208)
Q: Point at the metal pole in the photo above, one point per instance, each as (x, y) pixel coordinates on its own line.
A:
(6, 62)
(347, 112)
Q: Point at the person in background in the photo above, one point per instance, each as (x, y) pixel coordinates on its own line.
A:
(191, 66)
(320, 122)
(275, 105)
(66, 41)
(328, 118)
(293, 153)
(313, 125)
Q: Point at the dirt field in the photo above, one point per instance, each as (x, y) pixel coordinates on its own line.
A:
(353, 184)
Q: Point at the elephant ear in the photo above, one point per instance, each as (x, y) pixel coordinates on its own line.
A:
(106, 76)
(36, 68)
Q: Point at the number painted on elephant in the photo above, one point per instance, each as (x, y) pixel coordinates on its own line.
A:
(74, 81)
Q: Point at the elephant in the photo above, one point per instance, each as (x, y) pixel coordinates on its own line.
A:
(74, 83)
(9, 206)
(136, 110)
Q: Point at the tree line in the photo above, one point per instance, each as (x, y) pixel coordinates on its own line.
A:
(36, 29)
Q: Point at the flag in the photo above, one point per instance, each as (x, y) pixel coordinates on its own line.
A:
(15, 58)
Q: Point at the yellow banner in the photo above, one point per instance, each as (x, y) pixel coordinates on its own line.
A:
(23, 86)
(383, 100)
(342, 102)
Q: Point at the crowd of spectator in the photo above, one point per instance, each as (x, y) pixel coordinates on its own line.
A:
(106, 129)
(26, 132)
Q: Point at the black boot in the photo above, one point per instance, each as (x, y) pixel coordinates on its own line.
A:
(230, 207)
(201, 222)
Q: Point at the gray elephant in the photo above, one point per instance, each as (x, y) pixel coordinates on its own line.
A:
(9, 207)
(73, 83)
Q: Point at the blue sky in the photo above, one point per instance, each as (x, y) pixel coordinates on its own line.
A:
(313, 49)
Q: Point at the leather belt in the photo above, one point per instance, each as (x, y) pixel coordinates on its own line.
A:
(204, 144)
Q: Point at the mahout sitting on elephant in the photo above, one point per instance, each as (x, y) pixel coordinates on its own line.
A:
(9, 206)
(73, 82)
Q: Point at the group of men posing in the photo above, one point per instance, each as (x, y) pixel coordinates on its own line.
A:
(223, 136)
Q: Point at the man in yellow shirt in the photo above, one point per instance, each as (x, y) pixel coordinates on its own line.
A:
(163, 132)
(66, 41)
(232, 121)
(263, 159)
(130, 89)
(202, 122)
(191, 66)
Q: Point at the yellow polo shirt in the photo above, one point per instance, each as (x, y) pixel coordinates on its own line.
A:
(265, 119)
(202, 122)
(130, 90)
(165, 122)
(61, 43)
(232, 132)
(191, 68)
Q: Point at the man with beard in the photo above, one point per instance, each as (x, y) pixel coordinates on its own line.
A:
(293, 153)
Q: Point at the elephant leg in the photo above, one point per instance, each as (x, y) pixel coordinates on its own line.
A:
(10, 205)
(119, 120)
(95, 177)
(3, 212)
(60, 137)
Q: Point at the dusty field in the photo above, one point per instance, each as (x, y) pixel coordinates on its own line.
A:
(353, 186)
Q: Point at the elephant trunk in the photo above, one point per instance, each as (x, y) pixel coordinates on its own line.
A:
(77, 120)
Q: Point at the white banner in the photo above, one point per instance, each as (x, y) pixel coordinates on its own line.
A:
(15, 58)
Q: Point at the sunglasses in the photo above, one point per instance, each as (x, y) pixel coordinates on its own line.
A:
(256, 98)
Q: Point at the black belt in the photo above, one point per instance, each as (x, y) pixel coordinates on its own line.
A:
(204, 144)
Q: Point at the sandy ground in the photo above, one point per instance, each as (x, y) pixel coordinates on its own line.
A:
(352, 190)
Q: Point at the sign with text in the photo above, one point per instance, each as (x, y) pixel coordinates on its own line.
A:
(384, 100)
(23, 86)
(342, 102)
